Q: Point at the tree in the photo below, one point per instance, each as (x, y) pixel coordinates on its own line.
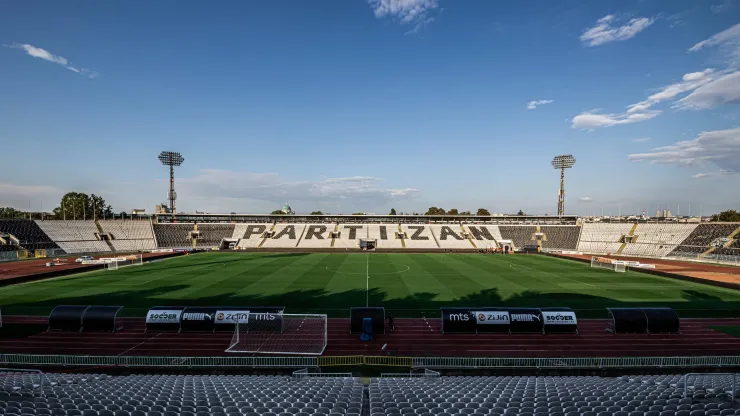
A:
(435, 211)
(727, 216)
(358, 213)
(520, 213)
(277, 212)
(317, 213)
(482, 211)
(465, 213)
(8, 212)
(78, 205)
(452, 211)
(393, 211)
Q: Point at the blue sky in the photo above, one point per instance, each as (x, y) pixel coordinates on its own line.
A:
(355, 105)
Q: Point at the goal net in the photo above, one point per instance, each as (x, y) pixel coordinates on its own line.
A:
(130, 260)
(267, 333)
(607, 263)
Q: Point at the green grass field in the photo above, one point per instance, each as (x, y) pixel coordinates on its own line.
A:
(407, 284)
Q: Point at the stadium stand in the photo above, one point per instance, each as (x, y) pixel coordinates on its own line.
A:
(350, 235)
(285, 236)
(250, 235)
(604, 238)
(317, 236)
(29, 235)
(419, 236)
(173, 235)
(701, 237)
(485, 236)
(210, 235)
(384, 235)
(75, 236)
(521, 235)
(660, 395)
(165, 395)
(657, 240)
(136, 235)
(451, 236)
(560, 237)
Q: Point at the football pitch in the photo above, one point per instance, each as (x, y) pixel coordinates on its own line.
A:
(409, 285)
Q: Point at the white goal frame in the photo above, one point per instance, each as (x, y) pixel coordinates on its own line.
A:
(111, 265)
(300, 334)
(615, 265)
(129, 260)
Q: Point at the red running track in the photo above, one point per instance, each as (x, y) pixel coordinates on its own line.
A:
(413, 337)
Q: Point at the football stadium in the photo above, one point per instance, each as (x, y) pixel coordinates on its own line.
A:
(275, 284)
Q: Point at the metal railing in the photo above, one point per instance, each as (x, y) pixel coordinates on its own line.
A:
(30, 360)
(685, 379)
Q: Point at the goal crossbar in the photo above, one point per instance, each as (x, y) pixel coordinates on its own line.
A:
(607, 263)
(266, 333)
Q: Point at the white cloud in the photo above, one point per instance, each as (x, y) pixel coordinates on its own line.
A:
(720, 148)
(643, 110)
(642, 140)
(722, 7)
(728, 42)
(603, 32)
(360, 192)
(414, 12)
(716, 174)
(48, 56)
(585, 199)
(724, 90)
(533, 104)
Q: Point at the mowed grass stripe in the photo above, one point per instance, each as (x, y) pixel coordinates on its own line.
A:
(408, 284)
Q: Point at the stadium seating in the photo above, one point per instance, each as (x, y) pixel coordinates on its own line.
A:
(75, 236)
(419, 236)
(451, 236)
(384, 235)
(657, 239)
(286, 236)
(485, 236)
(173, 235)
(701, 237)
(560, 237)
(521, 235)
(250, 235)
(602, 238)
(348, 238)
(28, 233)
(317, 236)
(553, 396)
(136, 235)
(165, 395)
(210, 235)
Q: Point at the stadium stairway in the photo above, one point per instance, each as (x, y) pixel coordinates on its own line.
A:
(265, 239)
(470, 237)
(631, 233)
(100, 232)
(735, 233)
(403, 242)
(333, 239)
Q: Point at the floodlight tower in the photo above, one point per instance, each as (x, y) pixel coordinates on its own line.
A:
(171, 159)
(562, 162)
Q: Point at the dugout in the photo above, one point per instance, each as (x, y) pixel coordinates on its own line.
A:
(67, 318)
(227, 317)
(356, 315)
(526, 321)
(559, 321)
(164, 318)
(459, 320)
(662, 321)
(198, 319)
(492, 320)
(101, 319)
(627, 321)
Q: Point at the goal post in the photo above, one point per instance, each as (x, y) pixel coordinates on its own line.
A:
(111, 265)
(129, 260)
(607, 263)
(266, 333)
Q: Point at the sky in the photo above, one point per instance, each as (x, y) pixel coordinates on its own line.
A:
(365, 105)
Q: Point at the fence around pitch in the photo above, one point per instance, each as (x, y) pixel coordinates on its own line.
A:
(386, 361)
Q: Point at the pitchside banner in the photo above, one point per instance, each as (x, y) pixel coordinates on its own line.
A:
(164, 318)
(458, 321)
(197, 319)
(270, 317)
(524, 320)
(505, 320)
(560, 320)
(492, 320)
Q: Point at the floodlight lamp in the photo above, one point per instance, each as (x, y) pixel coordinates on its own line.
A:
(171, 158)
(563, 162)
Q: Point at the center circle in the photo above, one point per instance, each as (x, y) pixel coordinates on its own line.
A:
(328, 268)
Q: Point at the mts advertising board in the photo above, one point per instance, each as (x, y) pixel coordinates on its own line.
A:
(258, 318)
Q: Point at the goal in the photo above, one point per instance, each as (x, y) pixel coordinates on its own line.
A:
(130, 260)
(607, 263)
(267, 333)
